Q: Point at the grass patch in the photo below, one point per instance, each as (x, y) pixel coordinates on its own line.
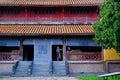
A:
(96, 78)
(90, 78)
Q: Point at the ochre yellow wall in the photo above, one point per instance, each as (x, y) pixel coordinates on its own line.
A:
(111, 54)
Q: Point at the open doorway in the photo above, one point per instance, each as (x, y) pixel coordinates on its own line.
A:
(28, 52)
(54, 56)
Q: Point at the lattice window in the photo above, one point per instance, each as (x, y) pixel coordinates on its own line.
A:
(85, 56)
(8, 56)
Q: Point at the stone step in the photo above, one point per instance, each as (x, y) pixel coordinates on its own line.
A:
(23, 68)
(25, 62)
(59, 62)
(42, 69)
(27, 66)
(59, 68)
(22, 74)
(48, 69)
(43, 66)
(20, 70)
(41, 73)
(59, 74)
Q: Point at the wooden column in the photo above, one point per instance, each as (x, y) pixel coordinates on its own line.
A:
(63, 13)
(26, 12)
(64, 49)
(21, 49)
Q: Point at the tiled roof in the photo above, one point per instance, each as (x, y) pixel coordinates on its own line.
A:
(28, 30)
(51, 2)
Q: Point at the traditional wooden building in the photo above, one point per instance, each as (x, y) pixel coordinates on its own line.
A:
(31, 31)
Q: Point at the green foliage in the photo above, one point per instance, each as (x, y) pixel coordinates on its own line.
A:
(96, 78)
(114, 78)
(90, 78)
(107, 28)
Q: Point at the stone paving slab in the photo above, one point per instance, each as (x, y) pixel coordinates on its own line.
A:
(39, 78)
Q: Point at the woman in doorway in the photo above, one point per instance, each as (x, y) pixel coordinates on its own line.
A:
(58, 54)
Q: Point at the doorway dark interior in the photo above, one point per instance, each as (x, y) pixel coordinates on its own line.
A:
(8, 48)
(54, 58)
(86, 48)
(28, 52)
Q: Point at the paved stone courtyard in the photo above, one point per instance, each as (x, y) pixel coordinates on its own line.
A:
(39, 78)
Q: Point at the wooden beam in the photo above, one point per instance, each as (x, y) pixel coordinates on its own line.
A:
(64, 49)
(26, 13)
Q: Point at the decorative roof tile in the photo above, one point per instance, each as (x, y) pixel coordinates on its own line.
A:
(12, 30)
(51, 2)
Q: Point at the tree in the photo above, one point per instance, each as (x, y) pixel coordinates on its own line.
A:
(107, 28)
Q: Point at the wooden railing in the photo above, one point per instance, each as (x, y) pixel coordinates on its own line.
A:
(83, 56)
(8, 56)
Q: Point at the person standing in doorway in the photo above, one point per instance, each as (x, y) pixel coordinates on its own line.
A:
(68, 53)
(58, 54)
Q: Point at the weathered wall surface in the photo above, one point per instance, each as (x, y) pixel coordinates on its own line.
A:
(6, 68)
(81, 42)
(86, 67)
(42, 51)
(9, 42)
(112, 66)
